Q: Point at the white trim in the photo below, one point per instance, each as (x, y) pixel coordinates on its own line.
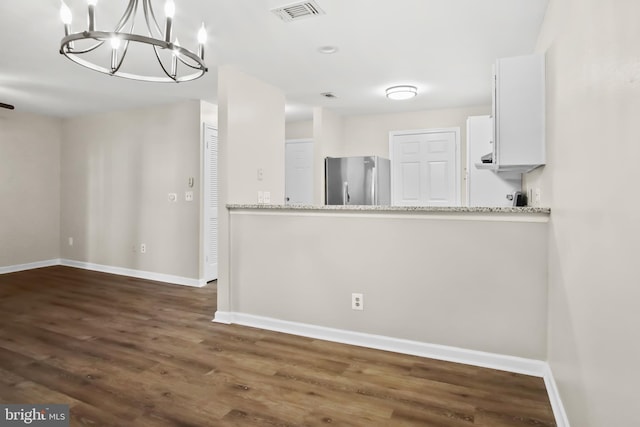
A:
(434, 351)
(148, 275)
(554, 398)
(29, 266)
(298, 141)
(223, 317)
(458, 154)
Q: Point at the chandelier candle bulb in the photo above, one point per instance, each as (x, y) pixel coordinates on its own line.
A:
(115, 44)
(169, 11)
(67, 18)
(92, 14)
(202, 39)
(174, 59)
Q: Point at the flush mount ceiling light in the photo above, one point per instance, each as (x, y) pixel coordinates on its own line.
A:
(177, 63)
(401, 92)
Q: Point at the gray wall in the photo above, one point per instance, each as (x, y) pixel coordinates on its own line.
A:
(470, 284)
(117, 171)
(29, 188)
(593, 143)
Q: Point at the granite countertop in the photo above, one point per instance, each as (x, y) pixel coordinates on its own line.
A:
(422, 209)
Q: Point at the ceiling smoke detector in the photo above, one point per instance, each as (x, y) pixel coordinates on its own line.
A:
(296, 11)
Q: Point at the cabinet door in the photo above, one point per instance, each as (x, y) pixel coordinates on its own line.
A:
(519, 111)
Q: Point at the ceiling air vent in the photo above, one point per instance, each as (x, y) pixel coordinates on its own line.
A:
(301, 10)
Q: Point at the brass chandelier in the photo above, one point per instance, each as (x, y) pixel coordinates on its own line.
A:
(87, 47)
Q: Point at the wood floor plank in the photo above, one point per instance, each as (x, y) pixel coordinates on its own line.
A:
(124, 351)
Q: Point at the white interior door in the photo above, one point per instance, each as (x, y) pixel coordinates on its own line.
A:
(299, 172)
(424, 168)
(211, 202)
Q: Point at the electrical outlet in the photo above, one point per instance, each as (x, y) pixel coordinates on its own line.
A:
(357, 301)
(267, 197)
(537, 197)
(143, 248)
(260, 197)
(188, 196)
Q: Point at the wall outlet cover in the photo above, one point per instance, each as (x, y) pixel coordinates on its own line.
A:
(357, 301)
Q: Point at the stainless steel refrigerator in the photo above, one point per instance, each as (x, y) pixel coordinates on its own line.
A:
(357, 180)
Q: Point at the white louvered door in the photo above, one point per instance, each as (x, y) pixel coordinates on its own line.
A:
(211, 201)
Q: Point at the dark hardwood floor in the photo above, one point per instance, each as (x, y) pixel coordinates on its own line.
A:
(129, 352)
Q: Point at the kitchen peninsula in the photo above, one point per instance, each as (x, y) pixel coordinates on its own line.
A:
(472, 278)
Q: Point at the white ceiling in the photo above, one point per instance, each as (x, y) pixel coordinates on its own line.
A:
(444, 47)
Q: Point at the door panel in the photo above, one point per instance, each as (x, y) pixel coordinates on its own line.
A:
(410, 183)
(437, 185)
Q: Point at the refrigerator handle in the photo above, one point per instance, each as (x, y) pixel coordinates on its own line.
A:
(374, 178)
(345, 193)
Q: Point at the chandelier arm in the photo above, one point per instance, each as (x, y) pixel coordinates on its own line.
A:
(155, 50)
(133, 4)
(187, 64)
(87, 50)
(148, 11)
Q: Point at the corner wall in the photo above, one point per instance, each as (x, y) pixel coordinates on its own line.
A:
(251, 137)
(593, 105)
(30, 188)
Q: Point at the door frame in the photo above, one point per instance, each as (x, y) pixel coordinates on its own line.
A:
(455, 130)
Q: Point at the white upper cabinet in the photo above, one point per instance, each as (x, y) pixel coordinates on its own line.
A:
(518, 115)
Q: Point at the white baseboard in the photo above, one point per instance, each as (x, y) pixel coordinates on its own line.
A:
(29, 266)
(519, 365)
(514, 364)
(148, 275)
(562, 420)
